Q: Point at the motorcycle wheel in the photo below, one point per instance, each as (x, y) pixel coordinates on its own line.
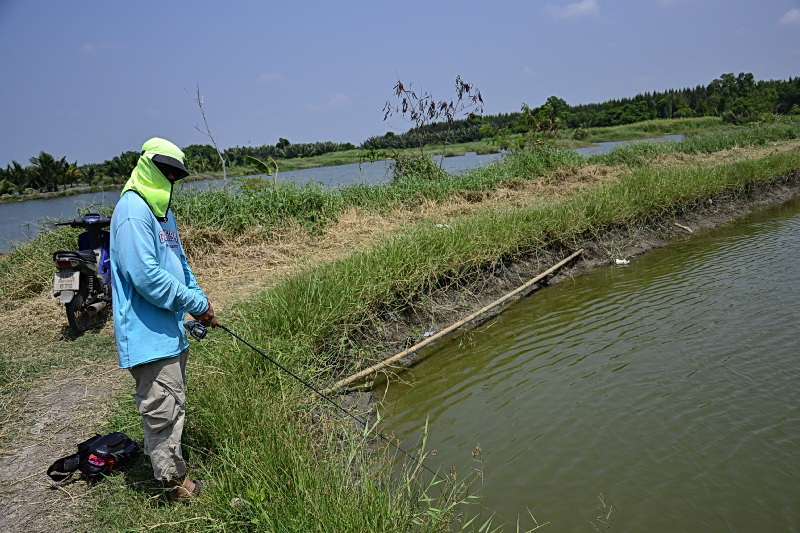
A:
(79, 320)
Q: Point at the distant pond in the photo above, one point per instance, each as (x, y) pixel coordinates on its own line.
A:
(21, 221)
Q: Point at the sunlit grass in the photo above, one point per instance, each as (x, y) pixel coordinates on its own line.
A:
(255, 434)
(652, 128)
(275, 460)
(217, 213)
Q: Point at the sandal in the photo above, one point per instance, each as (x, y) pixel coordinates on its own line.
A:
(180, 493)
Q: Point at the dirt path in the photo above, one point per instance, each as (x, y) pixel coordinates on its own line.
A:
(57, 408)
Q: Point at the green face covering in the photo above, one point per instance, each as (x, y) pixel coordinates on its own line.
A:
(148, 181)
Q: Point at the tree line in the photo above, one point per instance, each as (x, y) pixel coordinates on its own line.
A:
(735, 98)
(45, 173)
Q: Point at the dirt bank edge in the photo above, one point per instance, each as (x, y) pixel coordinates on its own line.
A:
(445, 306)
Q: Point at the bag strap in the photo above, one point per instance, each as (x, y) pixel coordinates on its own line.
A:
(67, 465)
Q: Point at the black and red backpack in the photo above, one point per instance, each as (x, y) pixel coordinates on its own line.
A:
(96, 457)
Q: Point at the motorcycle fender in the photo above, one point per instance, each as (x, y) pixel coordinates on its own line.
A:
(66, 296)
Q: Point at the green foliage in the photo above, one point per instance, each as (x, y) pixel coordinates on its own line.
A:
(580, 134)
(539, 125)
(654, 128)
(742, 95)
(737, 99)
(433, 134)
(744, 116)
(407, 165)
(497, 137)
(45, 174)
(753, 135)
(119, 167)
(202, 158)
(213, 215)
(28, 270)
(268, 167)
(281, 466)
(237, 155)
(547, 118)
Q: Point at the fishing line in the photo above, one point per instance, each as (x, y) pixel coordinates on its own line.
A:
(358, 419)
(199, 331)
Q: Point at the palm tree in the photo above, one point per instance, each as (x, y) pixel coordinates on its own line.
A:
(47, 172)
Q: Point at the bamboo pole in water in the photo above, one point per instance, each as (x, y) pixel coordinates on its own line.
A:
(386, 362)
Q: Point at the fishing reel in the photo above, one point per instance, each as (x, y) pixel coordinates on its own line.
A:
(196, 329)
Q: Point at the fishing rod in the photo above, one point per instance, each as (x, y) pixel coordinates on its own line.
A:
(199, 331)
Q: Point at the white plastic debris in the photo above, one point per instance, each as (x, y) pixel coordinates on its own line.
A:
(442, 225)
(621, 261)
(429, 333)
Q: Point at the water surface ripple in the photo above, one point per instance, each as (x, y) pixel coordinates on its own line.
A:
(670, 386)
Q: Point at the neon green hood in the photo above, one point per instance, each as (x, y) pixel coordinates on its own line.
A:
(148, 181)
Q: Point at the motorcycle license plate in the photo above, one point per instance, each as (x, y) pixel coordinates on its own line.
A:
(66, 280)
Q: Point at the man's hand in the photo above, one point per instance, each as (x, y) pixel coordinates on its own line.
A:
(208, 319)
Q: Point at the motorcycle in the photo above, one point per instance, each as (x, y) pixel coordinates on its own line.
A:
(82, 281)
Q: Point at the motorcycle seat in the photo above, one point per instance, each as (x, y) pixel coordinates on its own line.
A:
(83, 255)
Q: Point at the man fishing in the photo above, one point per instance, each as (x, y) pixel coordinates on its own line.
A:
(152, 288)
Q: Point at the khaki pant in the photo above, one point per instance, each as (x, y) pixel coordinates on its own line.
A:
(160, 399)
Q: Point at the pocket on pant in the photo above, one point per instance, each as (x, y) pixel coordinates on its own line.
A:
(159, 409)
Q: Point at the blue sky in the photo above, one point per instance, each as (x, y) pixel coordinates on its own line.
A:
(90, 79)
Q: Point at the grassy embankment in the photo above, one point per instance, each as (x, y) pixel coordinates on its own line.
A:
(249, 426)
(252, 424)
(343, 157)
(652, 128)
(213, 217)
(639, 130)
(564, 139)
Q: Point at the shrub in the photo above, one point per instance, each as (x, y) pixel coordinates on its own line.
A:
(580, 134)
(405, 165)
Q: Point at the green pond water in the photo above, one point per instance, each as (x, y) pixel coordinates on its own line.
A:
(670, 386)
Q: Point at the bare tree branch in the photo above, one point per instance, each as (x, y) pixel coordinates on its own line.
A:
(423, 109)
(198, 99)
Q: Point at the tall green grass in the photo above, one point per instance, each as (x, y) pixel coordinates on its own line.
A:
(708, 142)
(214, 216)
(252, 428)
(28, 269)
(652, 128)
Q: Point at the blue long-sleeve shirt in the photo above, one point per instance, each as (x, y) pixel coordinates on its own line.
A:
(152, 284)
